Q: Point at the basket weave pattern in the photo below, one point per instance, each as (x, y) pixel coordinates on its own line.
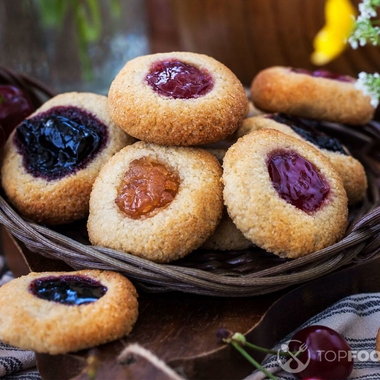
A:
(234, 273)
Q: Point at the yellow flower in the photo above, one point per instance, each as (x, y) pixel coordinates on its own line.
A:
(331, 40)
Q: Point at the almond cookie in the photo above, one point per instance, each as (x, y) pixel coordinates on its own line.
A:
(52, 158)
(283, 194)
(60, 312)
(349, 168)
(315, 95)
(177, 98)
(226, 237)
(156, 202)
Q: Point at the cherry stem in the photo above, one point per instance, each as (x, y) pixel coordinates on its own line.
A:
(240, 339)
(239, 348)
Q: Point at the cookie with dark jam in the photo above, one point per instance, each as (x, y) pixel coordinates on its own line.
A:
(60, 312)
(53, 157)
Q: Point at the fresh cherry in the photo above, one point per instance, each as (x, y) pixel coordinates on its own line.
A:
(326, 353)
(15, 106)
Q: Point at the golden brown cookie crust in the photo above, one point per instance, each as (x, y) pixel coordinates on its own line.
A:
(349, 168)
(266, 219)
(174, 231)
(32, 323)
(66, 199)
(226, 237)
(141, 112)
(278, 89)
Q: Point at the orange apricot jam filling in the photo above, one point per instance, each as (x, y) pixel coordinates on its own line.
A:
(147, 187)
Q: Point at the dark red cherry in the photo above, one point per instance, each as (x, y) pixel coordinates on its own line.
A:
(326, 354)
(296, 180)
(67, 289)
(15, 106)
(179, 80)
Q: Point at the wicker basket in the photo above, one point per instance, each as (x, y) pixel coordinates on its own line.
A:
(230, 274)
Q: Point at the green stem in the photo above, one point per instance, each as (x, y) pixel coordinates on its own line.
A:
(266, 350)
(253, 361)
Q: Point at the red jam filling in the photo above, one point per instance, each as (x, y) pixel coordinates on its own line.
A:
(297, 181)
(324, 74)
(179, 80)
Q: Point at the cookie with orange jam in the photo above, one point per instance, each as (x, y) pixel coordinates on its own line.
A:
(284, 194)
(52, 158)
(177, 98)
(349, 168)
(60, 312)
(156, 202)
(319, 94)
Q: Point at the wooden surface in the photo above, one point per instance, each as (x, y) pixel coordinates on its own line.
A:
(181, 329)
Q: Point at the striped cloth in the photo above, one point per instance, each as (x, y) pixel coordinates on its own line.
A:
(357, 319)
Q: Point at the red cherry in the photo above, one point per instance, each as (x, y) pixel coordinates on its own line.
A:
(326, 353)
(15, 106)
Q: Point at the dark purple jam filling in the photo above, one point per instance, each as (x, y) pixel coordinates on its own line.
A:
(179, 80)
(68, 290)
(297, 181)
(308, 130)
(60, 141)
(325, 74)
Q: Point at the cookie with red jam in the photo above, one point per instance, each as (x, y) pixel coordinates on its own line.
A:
(60, 312)
(177, 98)
(349, 168)
(156, 202)
(53, 157)
(318, 95)
(284, 194)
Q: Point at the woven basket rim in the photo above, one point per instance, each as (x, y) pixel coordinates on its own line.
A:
(154, 277)
(361, 242)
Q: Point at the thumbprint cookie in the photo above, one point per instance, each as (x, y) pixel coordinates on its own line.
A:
(52, 158)
(318, 95)
(283, 194)
(156, 202)
(226, 237)
(60, 312)
(349, 168)
(177, 98)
